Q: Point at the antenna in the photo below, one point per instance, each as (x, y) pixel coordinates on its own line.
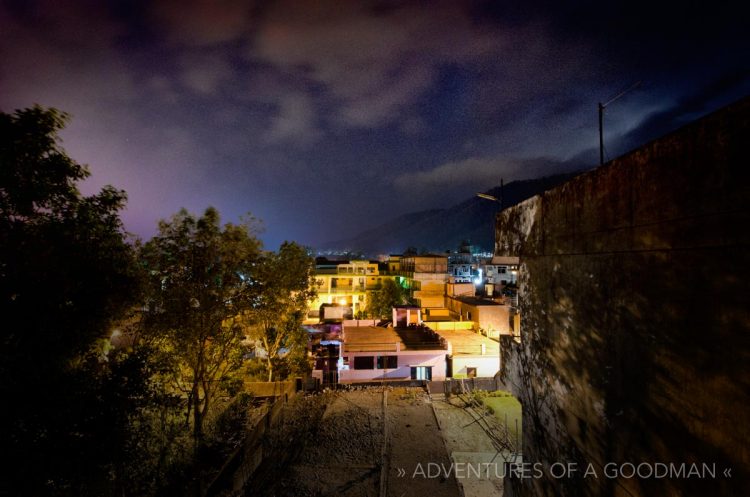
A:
(602, 106)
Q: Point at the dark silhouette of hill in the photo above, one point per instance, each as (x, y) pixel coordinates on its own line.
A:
(438, 230)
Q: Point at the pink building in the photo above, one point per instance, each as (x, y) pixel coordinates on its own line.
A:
(374, 353)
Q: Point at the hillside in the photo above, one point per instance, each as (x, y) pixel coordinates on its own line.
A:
(438, 230)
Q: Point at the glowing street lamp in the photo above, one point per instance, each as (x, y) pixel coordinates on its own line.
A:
(493, 198)
(488, 197)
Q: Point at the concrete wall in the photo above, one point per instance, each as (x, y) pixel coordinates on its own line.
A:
(487, 366)
(635, 316)
(493, 319)
(450, 325)
(429, 290)
(457, 289)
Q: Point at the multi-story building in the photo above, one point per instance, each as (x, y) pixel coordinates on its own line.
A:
(393, 263)
(426, 276)
(345, 284)
(501, 270)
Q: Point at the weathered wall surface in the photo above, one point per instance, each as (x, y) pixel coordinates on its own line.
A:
(635, 317)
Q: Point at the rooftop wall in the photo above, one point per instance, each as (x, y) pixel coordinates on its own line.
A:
(635, 323)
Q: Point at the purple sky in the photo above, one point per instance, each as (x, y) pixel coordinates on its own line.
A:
(325, 118)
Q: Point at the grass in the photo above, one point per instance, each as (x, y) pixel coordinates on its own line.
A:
(503, 404)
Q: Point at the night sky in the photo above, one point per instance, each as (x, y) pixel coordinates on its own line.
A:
(325, 118)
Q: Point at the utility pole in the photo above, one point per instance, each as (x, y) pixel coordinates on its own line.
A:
(601, 134)
(602, 106)
(501, 194)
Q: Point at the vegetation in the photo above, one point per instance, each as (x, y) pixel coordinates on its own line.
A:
(504, 406)
(380, 301)
(122, 362)
(199, 283)
(285, 283)
(66, 272)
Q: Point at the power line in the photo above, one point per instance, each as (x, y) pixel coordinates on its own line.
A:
(601, 107)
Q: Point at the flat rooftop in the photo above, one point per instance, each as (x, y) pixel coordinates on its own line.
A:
(475, 301)
(437, 318)
(379, 339)
(467, 342)
(503, 260)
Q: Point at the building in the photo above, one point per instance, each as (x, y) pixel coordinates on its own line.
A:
(426, 276)
(501, 270)
(378, 353)
(462, 265)
(489, 318)
(470, 355)
(375, 353)
(393, 264)
(345, 284)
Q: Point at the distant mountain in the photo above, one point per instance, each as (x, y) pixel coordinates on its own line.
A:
(438, 230)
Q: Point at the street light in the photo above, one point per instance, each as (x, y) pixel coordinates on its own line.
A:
(493, 198)
(488, 197)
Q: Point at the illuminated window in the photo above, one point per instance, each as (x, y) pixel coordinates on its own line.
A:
(421, 373)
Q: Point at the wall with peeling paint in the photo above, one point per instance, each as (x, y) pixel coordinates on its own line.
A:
(635, 318)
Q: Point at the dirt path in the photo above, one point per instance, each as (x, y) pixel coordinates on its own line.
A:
(341, 454)
(343, 451)
(415, 445)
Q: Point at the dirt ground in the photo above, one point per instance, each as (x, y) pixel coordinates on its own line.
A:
(338, 453)
(339, 443)
(415, 444)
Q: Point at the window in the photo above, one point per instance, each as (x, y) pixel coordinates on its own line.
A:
(364, 362)
(387, 362)
(421, 373)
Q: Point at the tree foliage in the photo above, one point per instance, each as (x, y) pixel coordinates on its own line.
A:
(200, 281)
(66, 272)
(66, 269)
(81, 417)
(286, 283)
(381, 301)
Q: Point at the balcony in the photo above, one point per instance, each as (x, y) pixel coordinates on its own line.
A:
(342, 290)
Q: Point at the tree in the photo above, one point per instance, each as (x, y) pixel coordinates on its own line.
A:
(410, 250)
(286, 284)
(66, 268)
(201, 280)
(66, 272)
(381, 300)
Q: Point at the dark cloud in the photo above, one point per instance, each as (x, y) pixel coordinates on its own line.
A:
(718, 92)
(325, 117)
